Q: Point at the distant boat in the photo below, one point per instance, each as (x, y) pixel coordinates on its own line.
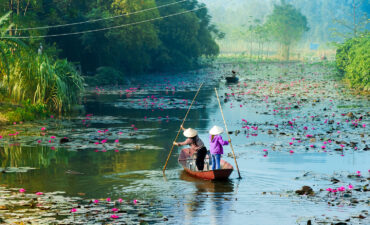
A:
(206, 174)
(232, 79)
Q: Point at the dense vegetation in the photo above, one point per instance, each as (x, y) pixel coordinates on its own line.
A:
(353, 61)
(39, 82)
(175, 42)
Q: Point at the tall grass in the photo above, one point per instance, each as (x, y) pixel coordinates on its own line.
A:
(55, 83)
(37, 78)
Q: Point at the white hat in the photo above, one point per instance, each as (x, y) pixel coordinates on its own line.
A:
(216, 130)
(190, 132)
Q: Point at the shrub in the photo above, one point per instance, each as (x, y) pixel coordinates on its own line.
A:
(106, 76)
(27, 112)
(353, 60)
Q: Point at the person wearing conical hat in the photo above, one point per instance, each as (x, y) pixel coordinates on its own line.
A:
(216, 143)
(196, 145)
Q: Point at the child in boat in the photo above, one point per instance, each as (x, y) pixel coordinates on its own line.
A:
(216, 144)
(196, 145)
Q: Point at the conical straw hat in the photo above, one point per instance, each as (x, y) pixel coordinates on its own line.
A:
(190, 132)
(216, 130)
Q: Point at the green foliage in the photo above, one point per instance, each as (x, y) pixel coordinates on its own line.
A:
(106, 76)
(36, 78)
(286, 25)
(353, 60)
(28, 112)
(44, 81)
(165, 44)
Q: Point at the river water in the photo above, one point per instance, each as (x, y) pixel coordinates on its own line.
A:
(282, 104)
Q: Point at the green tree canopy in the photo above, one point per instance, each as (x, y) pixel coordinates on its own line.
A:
(168, 43)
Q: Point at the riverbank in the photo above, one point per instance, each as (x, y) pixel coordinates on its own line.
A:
(13, 113)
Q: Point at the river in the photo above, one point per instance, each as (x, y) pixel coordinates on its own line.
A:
(282, 104)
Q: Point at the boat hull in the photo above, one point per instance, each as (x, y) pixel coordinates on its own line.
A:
(232, 79)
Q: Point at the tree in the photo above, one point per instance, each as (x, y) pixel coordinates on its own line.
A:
(354, 23)
(286, 25)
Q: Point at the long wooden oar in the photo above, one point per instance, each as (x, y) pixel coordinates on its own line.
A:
(231, 145)
(182, 124)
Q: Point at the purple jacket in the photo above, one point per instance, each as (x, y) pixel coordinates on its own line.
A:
(216, 144)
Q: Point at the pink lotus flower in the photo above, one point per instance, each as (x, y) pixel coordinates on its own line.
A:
(39, 141)
(96, 150)
(73, 210)
(108, 199)
(363, 125)
(350, 186)
(96, 201)
(39, 193)
(323, 147)
(329, 189)
(290, 143)
(116, 150)
(52, 137)
(134, 201)
(116, 141)
(312, 146)
(114, 216)
(52, 116)
(114, 210)
(265, 150)
(52, 148)
(120, 200)
(104, 141)
(22, 190)
(325, 142)
(291, 151)
(341, 189)
(43, 128)
(1, 137)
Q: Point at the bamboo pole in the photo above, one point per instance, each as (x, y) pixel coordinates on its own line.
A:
(182, 124)
(231, 145)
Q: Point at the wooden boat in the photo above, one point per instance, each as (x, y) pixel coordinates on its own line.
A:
(208, 185)
(221, 174)
(232, 79)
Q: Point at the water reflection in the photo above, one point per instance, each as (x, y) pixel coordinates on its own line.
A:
(216, 196)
